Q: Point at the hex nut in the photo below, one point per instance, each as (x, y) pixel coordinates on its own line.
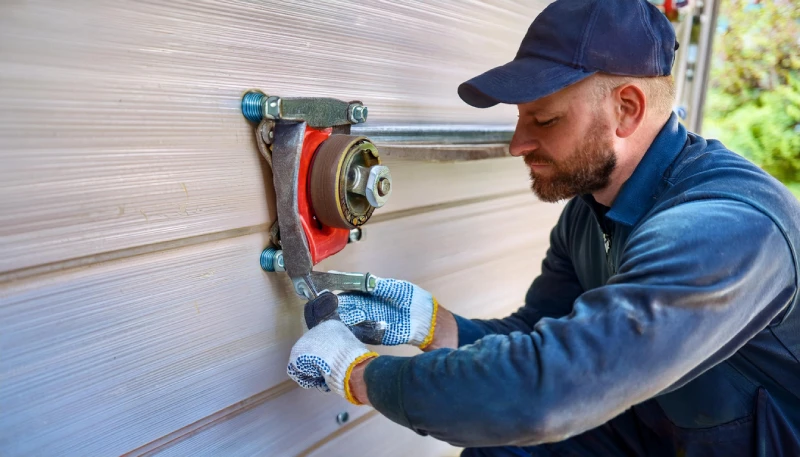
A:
(357, 113)
(272, 108)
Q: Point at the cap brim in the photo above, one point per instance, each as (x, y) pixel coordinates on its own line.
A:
(519, 81)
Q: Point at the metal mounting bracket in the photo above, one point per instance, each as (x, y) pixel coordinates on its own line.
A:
(281, 131)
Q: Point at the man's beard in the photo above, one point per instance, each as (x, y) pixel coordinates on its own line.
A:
(587, 170)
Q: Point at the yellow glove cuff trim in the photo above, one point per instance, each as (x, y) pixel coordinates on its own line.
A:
(429, 339)
(347, 394)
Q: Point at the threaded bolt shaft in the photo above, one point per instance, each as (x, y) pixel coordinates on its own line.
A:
(253, 106)
(272, 260)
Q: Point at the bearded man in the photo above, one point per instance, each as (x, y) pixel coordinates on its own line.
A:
(663, 321)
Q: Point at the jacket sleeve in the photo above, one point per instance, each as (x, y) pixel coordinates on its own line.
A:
(551, 294)
(695, 283)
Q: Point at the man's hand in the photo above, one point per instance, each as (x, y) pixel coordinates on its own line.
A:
(445, 336)
(403, 312)
(358, 387)
(324, 358)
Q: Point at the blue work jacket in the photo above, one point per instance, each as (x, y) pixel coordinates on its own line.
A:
(677, 303)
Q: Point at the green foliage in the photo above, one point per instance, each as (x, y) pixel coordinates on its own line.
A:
(795, 188)
(765, 129)
(753, 103)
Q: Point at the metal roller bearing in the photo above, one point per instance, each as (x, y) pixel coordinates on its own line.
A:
(348, 181)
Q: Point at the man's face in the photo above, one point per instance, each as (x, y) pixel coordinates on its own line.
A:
(566, 141)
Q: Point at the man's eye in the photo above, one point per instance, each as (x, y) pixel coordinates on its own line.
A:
(547, 123)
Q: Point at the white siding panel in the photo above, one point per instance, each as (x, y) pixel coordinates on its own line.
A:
(103, 360)
(87, 214)
(285, 426)
(121, 124)
(108, 358)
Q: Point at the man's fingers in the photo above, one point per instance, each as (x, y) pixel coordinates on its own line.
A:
(352, 317)
(369, 332)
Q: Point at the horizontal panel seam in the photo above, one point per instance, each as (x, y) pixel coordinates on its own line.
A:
(339, 432)
(94, 259)
(207, 422)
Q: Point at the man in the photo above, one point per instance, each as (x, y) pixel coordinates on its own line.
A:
(662, 322)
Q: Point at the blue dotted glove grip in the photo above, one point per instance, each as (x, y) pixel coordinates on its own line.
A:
(404, 310)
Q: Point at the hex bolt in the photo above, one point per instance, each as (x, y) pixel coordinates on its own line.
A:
(379, 185)
(342, 418)
(272, 108)
(257, 106)
(384, 187)
(272, 260)
(357, 113)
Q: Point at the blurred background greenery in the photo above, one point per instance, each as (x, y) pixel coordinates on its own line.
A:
(753, 99)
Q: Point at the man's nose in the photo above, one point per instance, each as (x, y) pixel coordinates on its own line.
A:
(522, 143)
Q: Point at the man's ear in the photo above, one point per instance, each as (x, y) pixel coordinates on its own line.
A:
(630, 108)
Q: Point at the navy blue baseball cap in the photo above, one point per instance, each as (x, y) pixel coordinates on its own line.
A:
(573, 39)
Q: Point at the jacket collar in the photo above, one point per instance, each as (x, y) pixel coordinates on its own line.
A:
(639, 192)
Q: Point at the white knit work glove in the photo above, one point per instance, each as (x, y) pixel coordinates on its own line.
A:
(324, 358)
(398, 312)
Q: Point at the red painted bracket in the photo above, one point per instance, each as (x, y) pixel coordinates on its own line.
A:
(323, 241)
